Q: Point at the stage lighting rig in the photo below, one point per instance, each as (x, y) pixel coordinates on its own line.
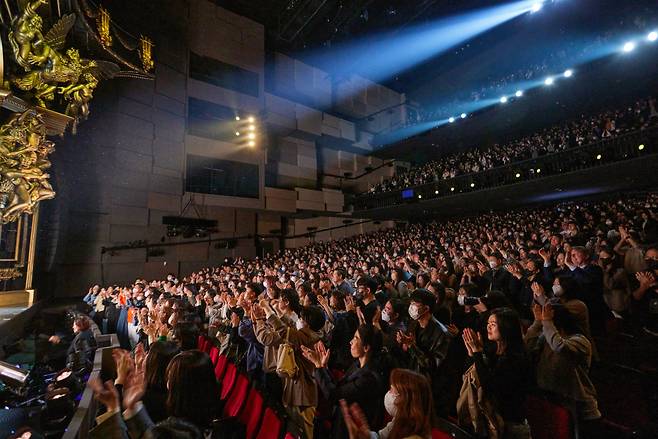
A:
(503, 100)
(519, 93)
(549, 81)
(536, 7)
(653, 36)
(568, 73)
(628, 47)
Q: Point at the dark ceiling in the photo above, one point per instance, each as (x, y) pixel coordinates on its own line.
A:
(298, 27)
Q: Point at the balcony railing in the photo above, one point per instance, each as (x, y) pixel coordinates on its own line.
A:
(624, 147)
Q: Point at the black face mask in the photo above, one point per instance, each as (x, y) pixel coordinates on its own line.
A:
(606, 261)
(652, 264)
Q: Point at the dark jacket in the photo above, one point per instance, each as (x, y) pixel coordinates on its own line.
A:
(590, 283)
(360, 385)
(83, 341)
(140, 426)
(507, 379)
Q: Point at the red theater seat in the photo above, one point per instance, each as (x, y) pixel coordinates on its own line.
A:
(270, 427)
(548, 419)
(228, 381)
(251, 414)
(237, 397)
(220, 367)
(214, 354)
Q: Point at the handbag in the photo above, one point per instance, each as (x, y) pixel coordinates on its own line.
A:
(286, 366)
(475, 410)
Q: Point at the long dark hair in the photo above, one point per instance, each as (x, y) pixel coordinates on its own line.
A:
(157, 360)
(414, 404)
(509, 327)
(372, 338)
(193, 391)
(290, 296)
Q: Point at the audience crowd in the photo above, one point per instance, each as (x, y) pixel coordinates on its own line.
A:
(380, 335)
(586, 130)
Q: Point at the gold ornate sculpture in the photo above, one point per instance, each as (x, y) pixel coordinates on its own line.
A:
(103, 24)
(48, 71)
(145, 49)
(10, 273)
(24, 162)
(48, 86)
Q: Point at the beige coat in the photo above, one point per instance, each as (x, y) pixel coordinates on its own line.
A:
(475, 410)
(300, 391)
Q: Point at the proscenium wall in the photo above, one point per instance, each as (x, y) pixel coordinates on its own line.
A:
(125, 169)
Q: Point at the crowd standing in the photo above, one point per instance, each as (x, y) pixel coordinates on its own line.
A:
(583, 131)
(392, 329)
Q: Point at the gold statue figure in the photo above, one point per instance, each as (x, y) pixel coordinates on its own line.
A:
(49, 71)
(24, 161)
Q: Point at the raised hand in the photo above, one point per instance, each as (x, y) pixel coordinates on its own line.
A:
(538, 292)
(355, 420)
(133, 389)
(472, 340)
(349, 303)
(646, 279)
(359, 313)
(140, 357)
(312, 355)
(105, 393)
(377, 318)
(323, 353)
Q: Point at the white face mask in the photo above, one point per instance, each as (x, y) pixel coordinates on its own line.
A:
(413, 312)
(389, 403)
(558, 290)
(299, 324)
(385, 316)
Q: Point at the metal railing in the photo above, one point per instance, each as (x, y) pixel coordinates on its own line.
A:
(624, 147)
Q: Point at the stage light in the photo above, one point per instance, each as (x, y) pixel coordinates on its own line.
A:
(640, 147)
(451, 120)
(252, 143)
(237, 133)
(420, 196)
(251, 127)
(252, 136)
(452, 189)
(518, 93)
(653, 36)
(518, 175)
(503, 100)
(472, 184)
(629, 47)
(538, 170)
(598, 157)
(251, 119)
(568, 73)
(463, 116)
(436, 192)
(237, 118)
(549, 81)
(536, 7)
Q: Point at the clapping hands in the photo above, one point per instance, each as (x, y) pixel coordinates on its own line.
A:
(318, 356)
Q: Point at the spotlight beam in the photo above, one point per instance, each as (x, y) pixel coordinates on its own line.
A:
(380, 57)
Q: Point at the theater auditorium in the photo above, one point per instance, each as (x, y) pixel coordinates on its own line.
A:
(329, 219)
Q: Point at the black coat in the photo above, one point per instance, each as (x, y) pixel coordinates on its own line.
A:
(361, 385)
